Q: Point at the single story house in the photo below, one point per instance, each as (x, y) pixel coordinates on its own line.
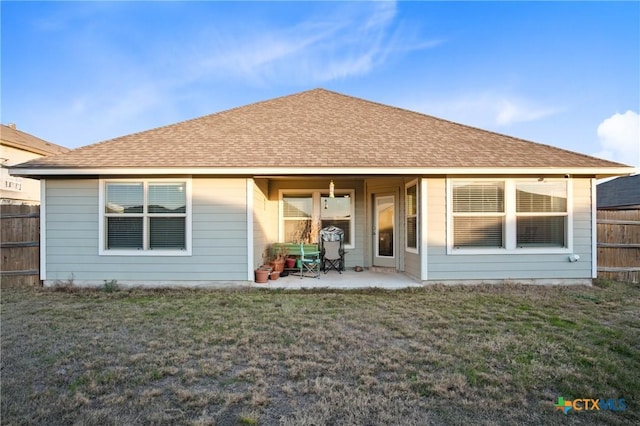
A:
(199, 202)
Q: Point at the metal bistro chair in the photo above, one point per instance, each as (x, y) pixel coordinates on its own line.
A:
(310, 264)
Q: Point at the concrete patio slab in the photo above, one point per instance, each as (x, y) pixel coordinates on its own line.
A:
(349, 279)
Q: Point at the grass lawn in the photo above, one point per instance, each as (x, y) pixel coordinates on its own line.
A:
(440, 355)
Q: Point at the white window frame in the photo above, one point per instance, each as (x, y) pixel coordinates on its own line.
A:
(146, 251)
(316, 196)
(510, 225)
(415, 249)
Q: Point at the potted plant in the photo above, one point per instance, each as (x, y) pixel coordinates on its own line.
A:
(262, 274)
(277, 263)
(290, 262)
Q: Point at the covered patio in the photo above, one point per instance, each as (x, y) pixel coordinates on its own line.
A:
(348, 280)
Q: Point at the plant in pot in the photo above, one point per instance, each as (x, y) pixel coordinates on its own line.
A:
(262, 274)
(277, 263)
(290, 262)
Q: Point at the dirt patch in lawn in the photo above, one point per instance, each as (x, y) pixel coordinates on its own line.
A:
(453, 355)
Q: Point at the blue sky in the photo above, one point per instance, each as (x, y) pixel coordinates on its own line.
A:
(565, 74)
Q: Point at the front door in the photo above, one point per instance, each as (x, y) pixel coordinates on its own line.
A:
(384, 231)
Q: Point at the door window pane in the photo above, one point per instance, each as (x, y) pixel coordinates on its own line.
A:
(385, 226)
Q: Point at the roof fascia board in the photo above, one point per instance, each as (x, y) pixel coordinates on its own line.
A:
(28, 148)
(258, 171)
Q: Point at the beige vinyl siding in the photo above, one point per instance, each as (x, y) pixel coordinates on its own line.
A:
(219, 229)
(509, 265)
(265, 222)
(412, 264)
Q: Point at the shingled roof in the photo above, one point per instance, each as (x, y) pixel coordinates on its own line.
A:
(317, 129)
(10, 136)
(620, 193)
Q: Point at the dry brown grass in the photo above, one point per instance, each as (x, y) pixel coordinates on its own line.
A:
(441, 355)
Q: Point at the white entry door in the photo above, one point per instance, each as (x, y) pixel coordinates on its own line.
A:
(384, 231)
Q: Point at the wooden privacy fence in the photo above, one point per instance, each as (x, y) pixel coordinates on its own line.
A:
(619, 245)
(19, 245)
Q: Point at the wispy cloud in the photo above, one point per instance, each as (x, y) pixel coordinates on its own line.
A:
(511, 111)
(352, 41)
(119, 76)
(490, 110)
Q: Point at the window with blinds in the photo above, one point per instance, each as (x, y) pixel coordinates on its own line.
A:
(541, 214)
(304, 214)
(336, 212)
(297, 212)
(411, 216)
(516, 215)
(145, 215)
(478, 214)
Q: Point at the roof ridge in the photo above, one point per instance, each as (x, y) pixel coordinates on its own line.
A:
(466, 126)
(188, 120)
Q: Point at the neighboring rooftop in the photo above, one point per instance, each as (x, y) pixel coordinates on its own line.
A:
(619, 193)
(317, 129)
(11, 136)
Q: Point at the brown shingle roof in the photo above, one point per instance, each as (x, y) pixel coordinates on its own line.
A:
(317, 128)
(620, 193)
(10, 136)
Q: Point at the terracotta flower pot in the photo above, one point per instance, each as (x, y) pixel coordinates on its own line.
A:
(261, 275)
(290, 262)
(277, 265)
(275, 275)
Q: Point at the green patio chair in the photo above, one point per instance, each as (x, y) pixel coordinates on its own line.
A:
(309, 263)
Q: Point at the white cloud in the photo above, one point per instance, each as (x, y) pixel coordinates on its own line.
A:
(118, 86)
(353, 40)
(490, 109)
(620, 138)
(517, 111)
